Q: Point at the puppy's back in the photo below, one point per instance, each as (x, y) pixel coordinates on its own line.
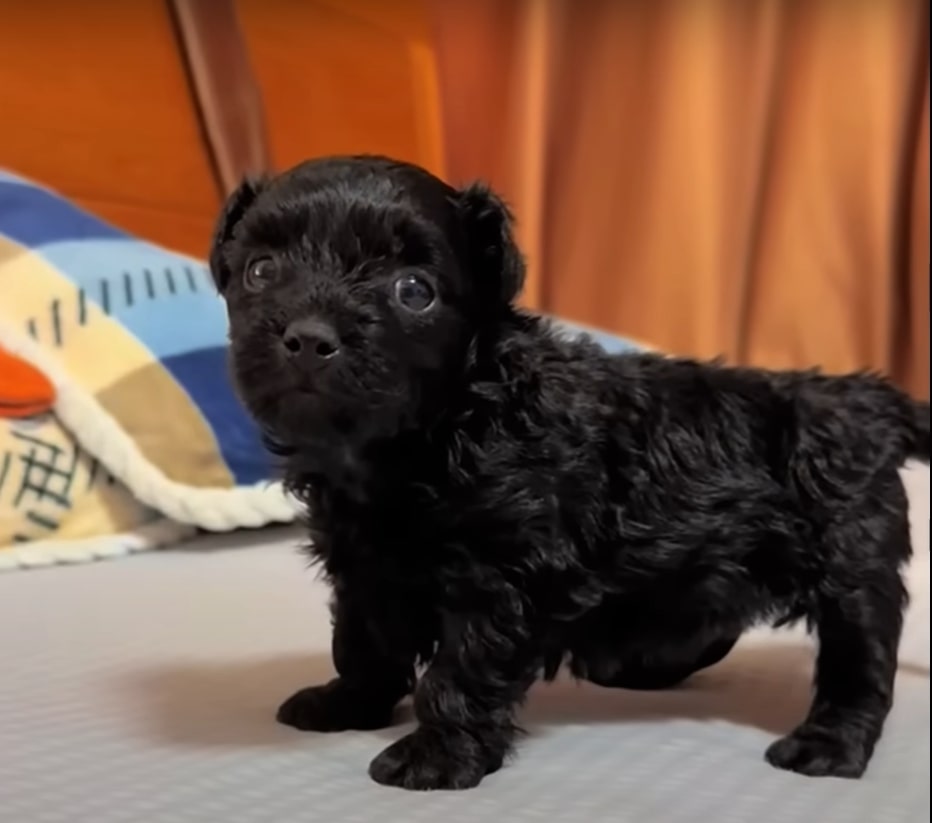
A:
(854, 424)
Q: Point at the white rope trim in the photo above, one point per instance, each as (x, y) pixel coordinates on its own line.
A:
(40, 553)
(101, 436)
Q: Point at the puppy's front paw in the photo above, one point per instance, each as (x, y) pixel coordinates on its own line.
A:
(429, 759)
(334, 707)
(819, 752)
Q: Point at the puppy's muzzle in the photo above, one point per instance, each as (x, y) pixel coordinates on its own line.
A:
(311, 342)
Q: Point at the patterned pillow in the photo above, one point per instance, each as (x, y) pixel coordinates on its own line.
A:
(145, 426)
(145, 442)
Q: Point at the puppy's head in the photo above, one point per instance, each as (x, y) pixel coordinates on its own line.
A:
(354, 287)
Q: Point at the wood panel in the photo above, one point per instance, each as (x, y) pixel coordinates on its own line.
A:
(346, 76)
(96, 103)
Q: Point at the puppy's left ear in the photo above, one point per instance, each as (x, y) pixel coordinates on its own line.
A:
(494, 257)
(236, 205)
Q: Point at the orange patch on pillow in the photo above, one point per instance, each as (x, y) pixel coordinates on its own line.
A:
(24, 390)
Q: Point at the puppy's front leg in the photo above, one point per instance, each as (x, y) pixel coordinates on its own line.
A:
(375, 668)
(465, 705)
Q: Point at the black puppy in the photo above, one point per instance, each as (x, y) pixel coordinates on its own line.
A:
(491, 501)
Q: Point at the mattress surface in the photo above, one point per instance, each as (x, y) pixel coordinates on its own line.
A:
(144, 690)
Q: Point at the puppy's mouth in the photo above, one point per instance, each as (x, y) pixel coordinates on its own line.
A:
(300, 381)
(310, 387)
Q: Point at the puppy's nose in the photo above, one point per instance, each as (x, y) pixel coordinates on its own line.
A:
(311, 338)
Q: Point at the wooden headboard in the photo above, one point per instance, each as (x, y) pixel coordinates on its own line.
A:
(136, 112)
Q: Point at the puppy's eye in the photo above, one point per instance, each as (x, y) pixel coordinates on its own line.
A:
(259, 273)
(414, 292)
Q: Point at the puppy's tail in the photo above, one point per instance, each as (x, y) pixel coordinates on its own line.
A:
(920, 431)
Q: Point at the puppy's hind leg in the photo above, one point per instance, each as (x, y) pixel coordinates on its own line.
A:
(859, 618)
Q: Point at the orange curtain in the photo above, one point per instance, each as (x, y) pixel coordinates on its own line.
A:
(738, 177)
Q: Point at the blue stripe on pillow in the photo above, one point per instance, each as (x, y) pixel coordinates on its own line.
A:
(203, 375)
(610, 342)
(32, 216)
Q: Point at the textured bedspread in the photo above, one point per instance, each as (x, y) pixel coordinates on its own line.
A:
(144, 692)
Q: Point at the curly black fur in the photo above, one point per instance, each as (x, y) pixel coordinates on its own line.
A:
(491, 501)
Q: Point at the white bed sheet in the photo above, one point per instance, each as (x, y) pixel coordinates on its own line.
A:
(143, 691)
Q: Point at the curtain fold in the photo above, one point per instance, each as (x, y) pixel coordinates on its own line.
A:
(736, 177)
(913, 341)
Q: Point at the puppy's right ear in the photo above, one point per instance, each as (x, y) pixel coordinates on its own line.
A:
(237, 204)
